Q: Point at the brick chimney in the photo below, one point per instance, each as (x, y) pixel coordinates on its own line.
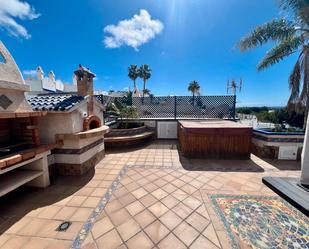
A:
(84, 79)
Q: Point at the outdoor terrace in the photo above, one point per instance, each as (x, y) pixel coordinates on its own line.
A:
(152, 197)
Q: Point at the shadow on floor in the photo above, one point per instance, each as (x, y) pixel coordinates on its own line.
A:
(219, 165)
(284, 165)
(20, 202)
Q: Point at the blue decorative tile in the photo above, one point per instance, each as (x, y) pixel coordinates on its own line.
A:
(261, 222)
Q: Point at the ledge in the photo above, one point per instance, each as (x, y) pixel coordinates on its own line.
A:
(14, 86)
(84, 134)
(270, 133)
(5, 115)
(129, 138)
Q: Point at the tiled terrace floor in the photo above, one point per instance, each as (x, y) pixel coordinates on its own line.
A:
(155, 202)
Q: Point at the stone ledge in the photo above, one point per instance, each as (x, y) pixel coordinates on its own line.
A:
(84, 134)
(5, 115)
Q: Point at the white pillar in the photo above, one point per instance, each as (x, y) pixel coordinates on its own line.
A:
(304, 178)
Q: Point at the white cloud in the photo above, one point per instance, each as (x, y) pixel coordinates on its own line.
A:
(29, 72)
(13, 9)
(133, 32)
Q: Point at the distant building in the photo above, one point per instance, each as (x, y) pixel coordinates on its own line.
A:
(41, 84)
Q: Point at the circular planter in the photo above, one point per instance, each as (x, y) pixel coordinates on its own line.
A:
(125, 138)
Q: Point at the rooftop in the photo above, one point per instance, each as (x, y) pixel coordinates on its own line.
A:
(54, 102)
(154, 197)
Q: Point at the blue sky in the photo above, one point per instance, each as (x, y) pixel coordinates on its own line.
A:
(185, 40)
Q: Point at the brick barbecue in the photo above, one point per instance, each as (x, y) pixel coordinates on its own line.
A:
(22, 155)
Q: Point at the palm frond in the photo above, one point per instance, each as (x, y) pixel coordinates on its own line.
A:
(300, 8)
(279, 52)
(275, 30)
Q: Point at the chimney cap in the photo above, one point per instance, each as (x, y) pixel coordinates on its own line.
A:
(81, 70)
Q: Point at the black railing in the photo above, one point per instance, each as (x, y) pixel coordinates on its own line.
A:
(178, 107)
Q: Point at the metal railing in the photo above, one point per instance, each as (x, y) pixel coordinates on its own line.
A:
(178, 107)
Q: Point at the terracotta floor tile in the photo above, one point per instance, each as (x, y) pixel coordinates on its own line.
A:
(139, 193)
(179, 194)
(63, 200)
(186, 233)
(104, 184)
(132, 186)
(158, 209)
(81, 214)
(18, 225)
(197, 221)
(85, 191)
(36, 243)
(170, 220)
(4, 238)
(110, 240)
(76, 201)
(99, 192)
(150, 187)
(171, 242)
(59, 244)
(48, 229)
(192, 202)
(127, 199)
(113, 205)
(139, 241)
(159, 194)
(15, 242)
(101, 227)
(148, 200)
(120, 191)
(144, 218)
(202, 243)
(128, 229)
(188, 189)
(169, 188)
(93, 183)
(49, 212)
(211, 235)
(71, 232)
(91, 202)
(156, 231)
(119, 216)
(182, 210)
(33, 227)
(135, 208)
(65, 213)
(170, 201)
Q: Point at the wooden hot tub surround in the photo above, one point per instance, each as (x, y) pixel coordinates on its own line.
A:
(218, 139)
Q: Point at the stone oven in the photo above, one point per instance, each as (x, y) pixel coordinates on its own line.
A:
(23, 158)
(75, 123)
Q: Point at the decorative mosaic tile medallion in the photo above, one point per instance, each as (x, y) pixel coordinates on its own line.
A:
(262, 222)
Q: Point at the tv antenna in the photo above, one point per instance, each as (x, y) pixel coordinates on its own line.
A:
(233, 86)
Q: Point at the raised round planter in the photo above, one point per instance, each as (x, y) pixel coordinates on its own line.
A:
(125, 138)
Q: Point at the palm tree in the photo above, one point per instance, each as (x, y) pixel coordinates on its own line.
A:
(194, 88)
(133, 74)
(146, 92)
(291, 36)
(145, 74)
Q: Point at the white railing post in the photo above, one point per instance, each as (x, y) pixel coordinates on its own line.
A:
(304, 178)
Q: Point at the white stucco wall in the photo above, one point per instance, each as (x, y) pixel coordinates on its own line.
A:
(64, 122)
(54, 123)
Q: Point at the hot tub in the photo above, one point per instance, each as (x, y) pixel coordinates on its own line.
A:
(217, 139)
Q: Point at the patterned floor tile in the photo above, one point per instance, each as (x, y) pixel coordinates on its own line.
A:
(262, 222)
